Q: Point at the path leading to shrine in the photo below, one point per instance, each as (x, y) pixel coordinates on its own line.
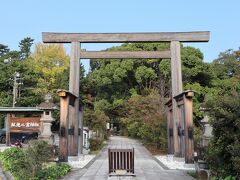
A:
(146, 167)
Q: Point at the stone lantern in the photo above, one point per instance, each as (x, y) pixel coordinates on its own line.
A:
(207, 131)
(47, 119)
(201, 165)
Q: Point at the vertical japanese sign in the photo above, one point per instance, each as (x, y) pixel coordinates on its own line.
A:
(24, 124)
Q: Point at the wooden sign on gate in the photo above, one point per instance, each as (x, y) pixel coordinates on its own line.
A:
(24, 124)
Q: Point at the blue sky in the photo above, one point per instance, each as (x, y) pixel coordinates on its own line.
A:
(28, 18)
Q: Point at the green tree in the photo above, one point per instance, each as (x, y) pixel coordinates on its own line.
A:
(193, 67)
(3, 50)
(9, 64)
(227, 64)
(144, 118)
(49, 62)
(96, 120)
(145, 76)
(25, 47)
(223, 154)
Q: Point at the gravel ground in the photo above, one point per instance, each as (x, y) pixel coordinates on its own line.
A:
(175, 163)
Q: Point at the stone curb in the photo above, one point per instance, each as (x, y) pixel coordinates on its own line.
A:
(5, 174)
(160, 163)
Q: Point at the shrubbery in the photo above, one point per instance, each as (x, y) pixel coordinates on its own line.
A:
(223, 154)
(95, 144)
(53, 172)
(30, 163)
(14, 160)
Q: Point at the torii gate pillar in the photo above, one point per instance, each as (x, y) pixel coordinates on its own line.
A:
(74, 115)
(176, 76)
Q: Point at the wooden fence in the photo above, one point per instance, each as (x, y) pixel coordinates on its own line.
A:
(121, 162)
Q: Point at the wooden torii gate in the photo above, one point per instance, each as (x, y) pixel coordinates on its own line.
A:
(174, 38)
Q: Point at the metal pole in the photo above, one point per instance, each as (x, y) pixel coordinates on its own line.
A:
(8, 130)
(14, 89)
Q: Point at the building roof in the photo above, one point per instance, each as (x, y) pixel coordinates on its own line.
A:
(19, 109)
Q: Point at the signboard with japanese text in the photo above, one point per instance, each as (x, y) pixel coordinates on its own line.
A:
(24, 124)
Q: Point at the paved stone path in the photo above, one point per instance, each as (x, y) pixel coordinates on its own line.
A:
(146, 167)
(2, 175)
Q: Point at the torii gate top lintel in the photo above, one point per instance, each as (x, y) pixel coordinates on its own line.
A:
(197, 36)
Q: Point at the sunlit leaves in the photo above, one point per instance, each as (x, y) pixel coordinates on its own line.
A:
(145, 75)
(49, 61)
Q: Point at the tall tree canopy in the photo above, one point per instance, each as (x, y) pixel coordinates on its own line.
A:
(224, 101)
(25, 47)
(49, 62)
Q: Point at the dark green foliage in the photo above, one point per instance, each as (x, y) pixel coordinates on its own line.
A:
(224, 178)
(53, 172)
(114, 79)
(227, 64)
(14, 160)
(3, 50)
(9, 64)
(193, 67)
(38, 153)
(193, 174)
(223, 153)
(25, 47)
(30, 163)
(95, 144)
